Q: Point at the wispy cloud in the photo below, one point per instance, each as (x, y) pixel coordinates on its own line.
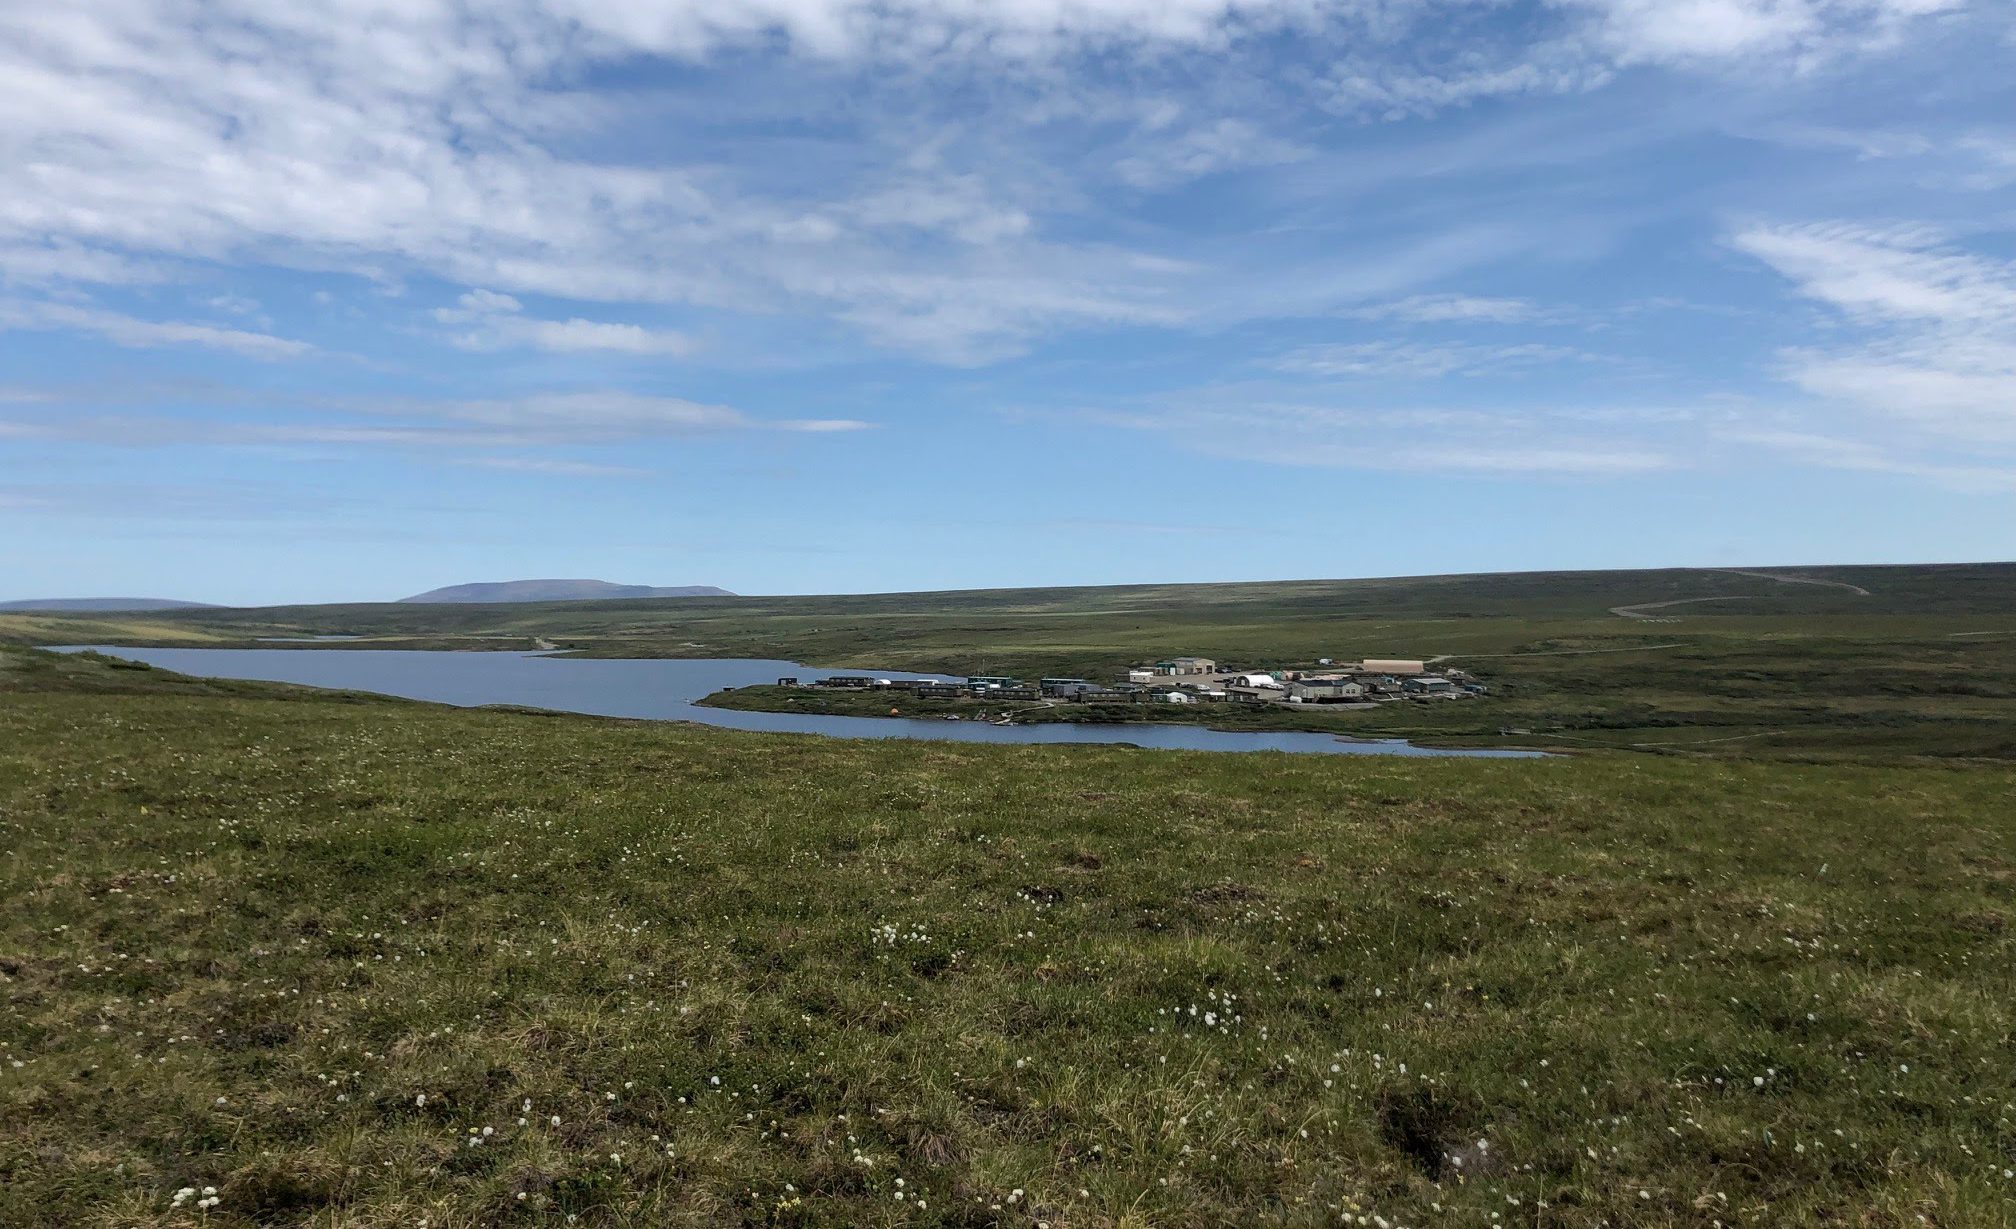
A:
(254, 502)
(432, 141)
(1416, 360)
(125, 330)
(1693, 31)
(1158, 529)
(555, 466)
(493, 321)
(1934, 326)
(1242, 424)
(1836, 452)
(1450, 309)
(515, 432)
(1223, 145)
(603, 415)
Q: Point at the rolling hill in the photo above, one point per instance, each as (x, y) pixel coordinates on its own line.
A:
(89, 605)
(554, 591)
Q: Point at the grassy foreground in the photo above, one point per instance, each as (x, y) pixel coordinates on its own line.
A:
(355, 963)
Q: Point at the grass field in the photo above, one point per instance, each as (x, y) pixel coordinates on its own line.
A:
(1922, 664)
(358, 962)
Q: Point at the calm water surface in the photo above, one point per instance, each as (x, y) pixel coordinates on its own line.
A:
(666, 690)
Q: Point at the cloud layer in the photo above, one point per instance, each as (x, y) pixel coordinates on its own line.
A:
(1386, 208)
(430, 137)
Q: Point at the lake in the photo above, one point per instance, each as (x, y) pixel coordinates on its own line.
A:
(665, 690)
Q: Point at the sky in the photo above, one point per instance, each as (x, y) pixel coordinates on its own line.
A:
(318, 301)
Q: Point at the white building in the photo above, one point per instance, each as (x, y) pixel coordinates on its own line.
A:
(1326, 690)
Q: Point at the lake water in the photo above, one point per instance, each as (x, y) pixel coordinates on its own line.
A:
(665, 690)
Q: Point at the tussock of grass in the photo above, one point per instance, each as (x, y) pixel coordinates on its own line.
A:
(306, 952)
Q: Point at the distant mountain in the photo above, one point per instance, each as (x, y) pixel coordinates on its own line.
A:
(556, 591)
(79, 605)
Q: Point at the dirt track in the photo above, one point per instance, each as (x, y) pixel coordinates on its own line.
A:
(1638, 610)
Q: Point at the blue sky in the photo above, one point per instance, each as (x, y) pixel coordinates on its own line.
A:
(323, 302)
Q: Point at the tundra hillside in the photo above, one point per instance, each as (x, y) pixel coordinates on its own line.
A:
(1857, 663)
(270, 956)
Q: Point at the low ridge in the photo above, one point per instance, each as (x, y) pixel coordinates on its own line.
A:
(556, 591)
(89, 604)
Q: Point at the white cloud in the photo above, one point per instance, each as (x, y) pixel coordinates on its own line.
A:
(583, 418)
(1835, 452)
(1935, 346)
(431, 138)
(30, 263)
(1885, 275)
(1224, 145)
(217, 500)
(496, 322)
(554, 466)
(1392, 359)
(1450, 309)
(1379, 90)
(476, 305)
(575, 335)
(1248, 425)
(131, 331)
(414, 142)
(1692, 31)
(604, 416)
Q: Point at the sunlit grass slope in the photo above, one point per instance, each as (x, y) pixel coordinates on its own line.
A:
(375, 963)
